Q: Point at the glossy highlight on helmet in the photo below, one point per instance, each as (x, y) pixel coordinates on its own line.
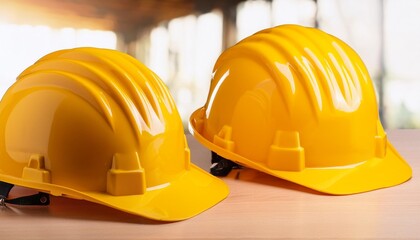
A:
(298, 103)
(96, 124)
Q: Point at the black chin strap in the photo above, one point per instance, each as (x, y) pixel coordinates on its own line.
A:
(40, 199)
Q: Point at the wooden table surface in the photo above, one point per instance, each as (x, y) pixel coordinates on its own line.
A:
(258, 207)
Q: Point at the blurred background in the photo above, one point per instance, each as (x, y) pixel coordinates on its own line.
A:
(181, 39)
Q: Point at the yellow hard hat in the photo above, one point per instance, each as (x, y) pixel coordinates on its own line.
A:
(297, 103)
(95, 124)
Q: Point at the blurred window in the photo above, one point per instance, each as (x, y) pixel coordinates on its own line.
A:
(252, 16)
(401, 62)
(182, 52)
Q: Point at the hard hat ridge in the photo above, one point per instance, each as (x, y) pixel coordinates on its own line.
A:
(119, 77)
(308, 99)
(97, 125)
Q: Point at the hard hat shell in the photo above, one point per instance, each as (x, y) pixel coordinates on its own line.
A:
(95, 124)
(298, 103)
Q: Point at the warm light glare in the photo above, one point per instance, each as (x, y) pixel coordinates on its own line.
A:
(252, 16)
(159, 58)
(401, 60)
(22, 45)
(183, 54)
(300, 12)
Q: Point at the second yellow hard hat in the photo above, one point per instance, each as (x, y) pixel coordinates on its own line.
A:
(298, 103)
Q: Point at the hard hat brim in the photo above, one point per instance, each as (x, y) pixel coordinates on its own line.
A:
(365, 176)
(191, 193)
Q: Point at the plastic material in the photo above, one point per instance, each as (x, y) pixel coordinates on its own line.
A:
(299, 104)
(96, 124)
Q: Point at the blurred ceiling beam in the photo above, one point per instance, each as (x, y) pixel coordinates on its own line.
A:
(122, 16)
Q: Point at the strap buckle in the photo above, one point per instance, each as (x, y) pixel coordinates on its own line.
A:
(39, 199)
(2, 201)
